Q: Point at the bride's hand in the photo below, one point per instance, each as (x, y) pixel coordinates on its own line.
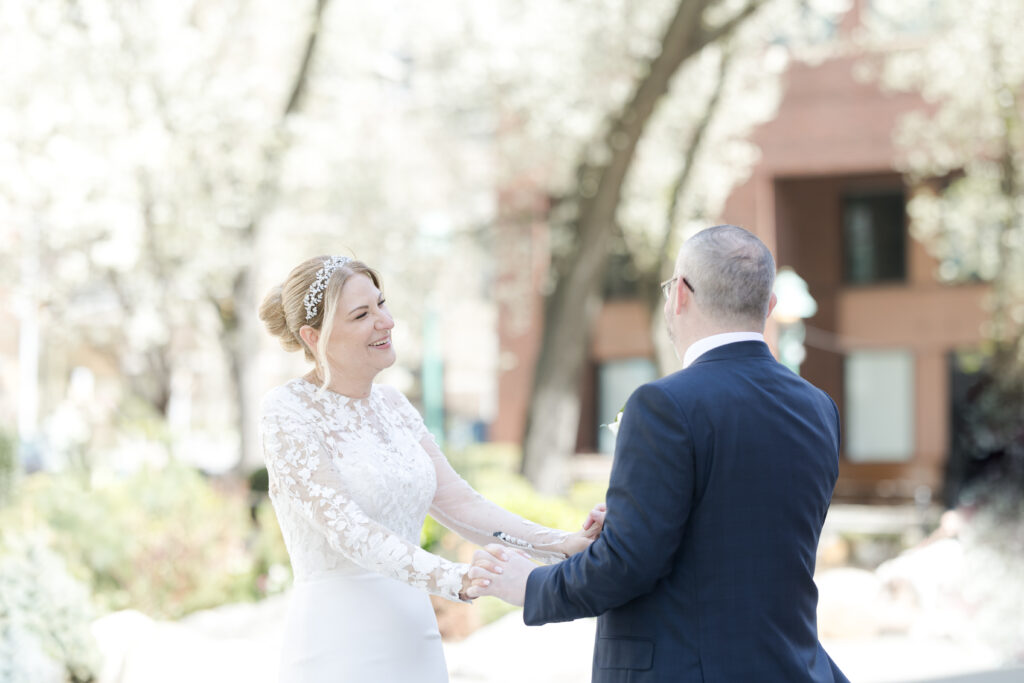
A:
(592, 526)
(468, 581)
(594, 522)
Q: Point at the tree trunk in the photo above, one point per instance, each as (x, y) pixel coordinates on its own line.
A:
(649, 280)
(554, 409)
(242, 345)
(239, 318)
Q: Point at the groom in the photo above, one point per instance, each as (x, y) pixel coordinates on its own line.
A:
(722, 476)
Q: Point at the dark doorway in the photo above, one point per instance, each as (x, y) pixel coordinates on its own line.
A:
(969, 458)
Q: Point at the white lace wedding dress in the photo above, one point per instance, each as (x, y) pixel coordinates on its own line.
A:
(351, 481)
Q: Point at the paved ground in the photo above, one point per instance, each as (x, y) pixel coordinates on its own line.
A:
(874, 637)
(241, 642)
(507, 652)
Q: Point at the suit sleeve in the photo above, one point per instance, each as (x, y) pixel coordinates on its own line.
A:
(839, 425)
(649, 499)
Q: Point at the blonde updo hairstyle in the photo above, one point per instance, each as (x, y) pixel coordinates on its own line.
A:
(283, 310)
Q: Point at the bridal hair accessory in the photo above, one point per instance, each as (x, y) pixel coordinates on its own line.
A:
(316, 290)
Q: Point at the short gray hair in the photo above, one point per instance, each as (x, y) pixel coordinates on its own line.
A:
(731, 271)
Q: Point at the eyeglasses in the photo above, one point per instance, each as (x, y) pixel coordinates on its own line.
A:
(666, 286)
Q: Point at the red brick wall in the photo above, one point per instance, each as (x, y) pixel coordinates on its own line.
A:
(833, 134)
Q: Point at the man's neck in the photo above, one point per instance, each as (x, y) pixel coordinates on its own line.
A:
(712, 341)
(696, 333)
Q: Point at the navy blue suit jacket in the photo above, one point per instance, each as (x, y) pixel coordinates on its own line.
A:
(704, 571)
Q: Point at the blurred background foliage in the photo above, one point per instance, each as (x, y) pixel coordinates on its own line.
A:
(45, 614)
(963, 154)
(168, 541)
(9, 467)
(165, 163)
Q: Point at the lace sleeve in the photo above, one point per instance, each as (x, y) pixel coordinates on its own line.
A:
(463, 510)
(300, 467)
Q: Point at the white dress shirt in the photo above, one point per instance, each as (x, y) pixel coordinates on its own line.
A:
(702, 346)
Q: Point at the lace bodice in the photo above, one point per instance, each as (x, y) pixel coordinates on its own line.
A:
(352, 480)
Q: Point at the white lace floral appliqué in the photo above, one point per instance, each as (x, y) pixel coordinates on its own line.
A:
(352, 480)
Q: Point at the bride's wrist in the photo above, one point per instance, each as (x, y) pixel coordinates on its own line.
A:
(466, 583)
(574, 542)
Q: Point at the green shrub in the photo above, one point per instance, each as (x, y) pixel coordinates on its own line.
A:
(493, 470)
(163, 541)
(168, 541)
(44, 616)
(8, 466)
(272, 568)
(432, 535)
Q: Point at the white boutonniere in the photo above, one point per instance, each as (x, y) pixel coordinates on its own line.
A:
(614, 426)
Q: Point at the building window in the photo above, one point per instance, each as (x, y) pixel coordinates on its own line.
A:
(874, 238)
(879, 406)
(616, 381)
(906, 18)
(621, 280)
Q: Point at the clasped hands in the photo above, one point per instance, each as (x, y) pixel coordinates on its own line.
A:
(502, 572)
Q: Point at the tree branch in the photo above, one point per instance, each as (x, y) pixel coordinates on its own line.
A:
(301, 78)
(685, 173)
(709, 36)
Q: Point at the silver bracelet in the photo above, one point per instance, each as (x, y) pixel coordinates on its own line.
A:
(512, 540)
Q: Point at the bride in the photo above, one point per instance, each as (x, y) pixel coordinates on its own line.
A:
(353, 472)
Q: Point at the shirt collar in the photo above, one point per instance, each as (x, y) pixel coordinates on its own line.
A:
(702, 346)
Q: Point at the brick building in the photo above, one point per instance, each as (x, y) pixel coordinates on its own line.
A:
(884, 342)
(826, 199)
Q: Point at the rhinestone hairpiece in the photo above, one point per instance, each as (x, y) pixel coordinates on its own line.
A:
(316, 290)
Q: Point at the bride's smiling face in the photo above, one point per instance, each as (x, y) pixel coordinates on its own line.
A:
(360, 341)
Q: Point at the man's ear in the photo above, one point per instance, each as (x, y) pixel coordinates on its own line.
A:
(771, 304)
(681, 291)
(310, 336)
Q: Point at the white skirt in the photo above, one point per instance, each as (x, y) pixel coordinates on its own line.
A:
(363, 628)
